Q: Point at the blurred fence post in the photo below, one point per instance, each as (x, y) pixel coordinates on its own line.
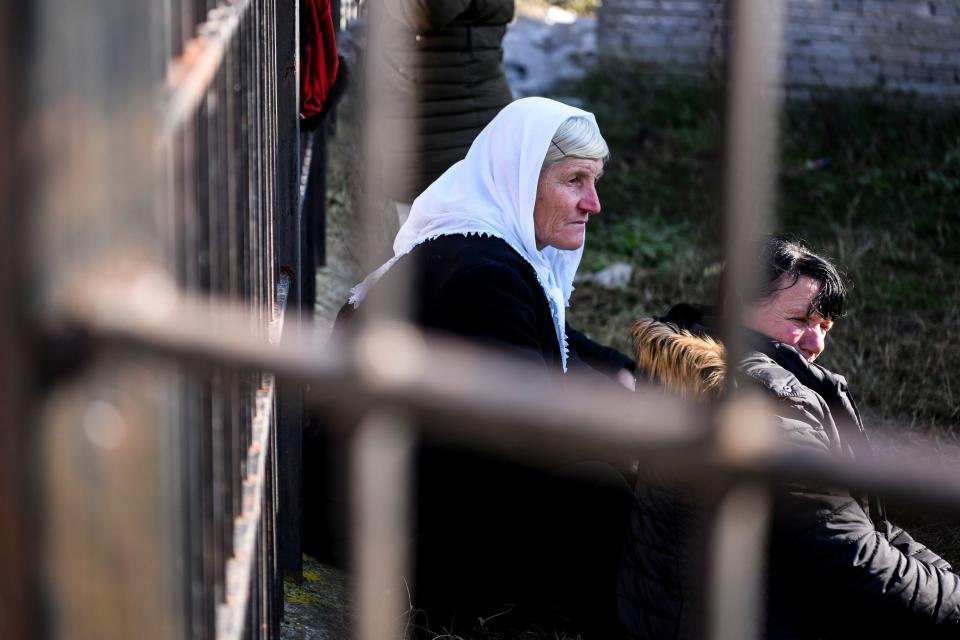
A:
(736, 578)
(108, 564)
(380, 483)
(18, 614)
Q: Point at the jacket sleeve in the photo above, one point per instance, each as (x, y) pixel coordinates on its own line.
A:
(493, 304)
(910, 547)
(887, 577)
(606, 360)
(426, 15)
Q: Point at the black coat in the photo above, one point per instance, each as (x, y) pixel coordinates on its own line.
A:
(443, 57)
(479, 288)
(493, 533)
(837, 567)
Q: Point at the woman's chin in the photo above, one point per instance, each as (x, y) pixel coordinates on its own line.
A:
(569, 242)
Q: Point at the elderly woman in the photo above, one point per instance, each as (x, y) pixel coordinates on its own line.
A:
(494, 243)
(492, 247)
(837, 566)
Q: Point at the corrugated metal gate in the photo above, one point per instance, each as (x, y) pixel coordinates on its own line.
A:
(153, 258)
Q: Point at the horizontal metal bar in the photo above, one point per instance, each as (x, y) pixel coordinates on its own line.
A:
(463, 393)
(190, 75)
(428, 374)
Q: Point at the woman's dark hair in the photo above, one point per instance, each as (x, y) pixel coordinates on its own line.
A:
(783, 260)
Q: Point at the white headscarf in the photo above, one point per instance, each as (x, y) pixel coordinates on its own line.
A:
(492, 192)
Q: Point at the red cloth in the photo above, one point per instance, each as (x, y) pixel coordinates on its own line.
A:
(320, 62)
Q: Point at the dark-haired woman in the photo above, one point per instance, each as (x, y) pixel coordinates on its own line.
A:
(837, 567)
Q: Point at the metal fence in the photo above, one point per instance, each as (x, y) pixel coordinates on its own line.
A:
(155, 339)
(160, 150)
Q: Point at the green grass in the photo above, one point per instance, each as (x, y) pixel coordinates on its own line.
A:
(872, 182)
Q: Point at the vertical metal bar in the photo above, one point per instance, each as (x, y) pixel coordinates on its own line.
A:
(108, 571)
(754, 98)
(241, 216)
(273, 578)
(736, 578)
(269, 72)
(381, 111)
(381, 451)
(220, 285)
(271, 75)
(18, 615)
(737, 563)
(289, 233)
(315, 206)
(212, 560)
(381, 493)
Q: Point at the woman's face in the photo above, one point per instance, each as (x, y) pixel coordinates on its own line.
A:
(788, 317)
(566, 198)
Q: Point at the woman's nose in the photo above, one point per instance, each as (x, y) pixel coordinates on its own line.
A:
(813, 340)
(591, 200)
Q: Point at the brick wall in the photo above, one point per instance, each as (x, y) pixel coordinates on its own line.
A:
(909, 45)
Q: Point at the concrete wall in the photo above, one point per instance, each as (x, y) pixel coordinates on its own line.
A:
(908, 45)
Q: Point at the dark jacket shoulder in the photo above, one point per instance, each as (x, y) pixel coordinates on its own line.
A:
(803, 415)
(478, 288)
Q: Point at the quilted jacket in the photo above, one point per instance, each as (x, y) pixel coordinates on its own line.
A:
(443, 58)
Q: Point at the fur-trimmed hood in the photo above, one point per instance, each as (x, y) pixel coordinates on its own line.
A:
(687, 363)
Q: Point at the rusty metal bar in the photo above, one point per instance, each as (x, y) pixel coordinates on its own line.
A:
(149, 314)
(232, 613)
(190, 75)
(503, 403)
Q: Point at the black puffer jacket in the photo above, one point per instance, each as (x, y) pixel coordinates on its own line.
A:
(837, 567)
(445, 56)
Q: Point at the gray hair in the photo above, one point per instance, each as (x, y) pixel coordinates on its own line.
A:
(577, 137)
